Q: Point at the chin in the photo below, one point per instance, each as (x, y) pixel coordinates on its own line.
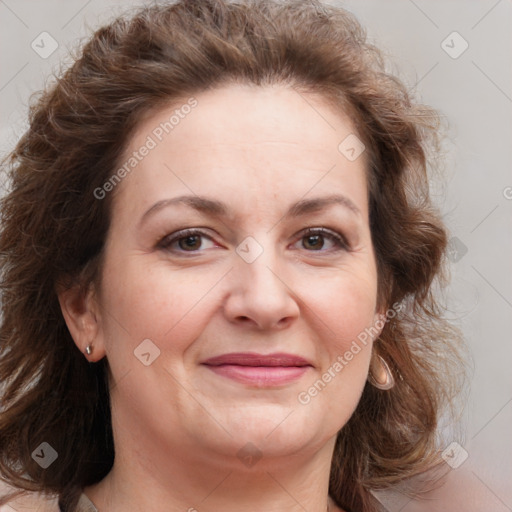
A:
(274, 430)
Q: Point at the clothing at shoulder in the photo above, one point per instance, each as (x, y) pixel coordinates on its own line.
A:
(84, 505)
(29, 502)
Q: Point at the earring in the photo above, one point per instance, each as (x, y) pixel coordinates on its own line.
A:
(381, 378)
(88, 349)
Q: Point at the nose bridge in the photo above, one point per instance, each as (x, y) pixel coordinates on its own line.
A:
(257, 258)
(259, 291)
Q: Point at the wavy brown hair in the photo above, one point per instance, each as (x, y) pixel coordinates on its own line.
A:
(53, 227)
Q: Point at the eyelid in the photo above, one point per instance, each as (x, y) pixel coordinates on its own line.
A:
(336, 237)
(167, 240)
(339, 238)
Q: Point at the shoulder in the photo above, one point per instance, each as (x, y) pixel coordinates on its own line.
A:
(31, 502)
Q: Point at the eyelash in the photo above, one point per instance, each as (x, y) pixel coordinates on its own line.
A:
(338, 239)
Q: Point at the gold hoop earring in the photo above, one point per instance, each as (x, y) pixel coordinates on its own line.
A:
(381, 377)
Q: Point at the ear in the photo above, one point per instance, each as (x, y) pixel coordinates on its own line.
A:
(379, 321)
(82, 315)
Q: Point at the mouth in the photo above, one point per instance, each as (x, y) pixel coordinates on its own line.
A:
(259, 370)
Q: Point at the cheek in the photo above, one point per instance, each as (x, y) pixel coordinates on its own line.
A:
(155, 302)
(343, 310)
(346, 305)
(346, 316)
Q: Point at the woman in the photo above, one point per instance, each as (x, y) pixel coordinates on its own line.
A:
(218, 260)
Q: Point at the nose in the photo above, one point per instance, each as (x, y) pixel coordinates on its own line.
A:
(260, 295)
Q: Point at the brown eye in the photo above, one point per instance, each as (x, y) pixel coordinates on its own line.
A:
(316, 239)
(314, 242)
(190, 240)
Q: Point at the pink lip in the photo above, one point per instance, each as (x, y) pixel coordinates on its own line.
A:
(258, 369)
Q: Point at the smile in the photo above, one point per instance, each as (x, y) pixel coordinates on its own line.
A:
(259, 370)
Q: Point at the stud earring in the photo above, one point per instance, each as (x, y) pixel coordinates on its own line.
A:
(380, 375)
(88, 349)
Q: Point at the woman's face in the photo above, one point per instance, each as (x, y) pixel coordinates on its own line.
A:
(224, 339)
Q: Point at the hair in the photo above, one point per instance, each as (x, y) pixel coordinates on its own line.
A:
(53, 229)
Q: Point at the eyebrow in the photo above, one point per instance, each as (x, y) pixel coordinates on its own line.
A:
(215, 208)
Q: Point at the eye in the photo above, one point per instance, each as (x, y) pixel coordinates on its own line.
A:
(316, 239)
(188, 240)
(194, 240)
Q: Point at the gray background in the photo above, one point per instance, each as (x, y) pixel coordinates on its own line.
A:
(474, 93)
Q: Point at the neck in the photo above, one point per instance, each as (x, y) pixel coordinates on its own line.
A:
(160, 483)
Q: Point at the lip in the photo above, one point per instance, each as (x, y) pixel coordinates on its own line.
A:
(253, 359)
(260, 370)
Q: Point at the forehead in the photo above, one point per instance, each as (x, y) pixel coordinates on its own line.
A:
(246, 115)
(269, 140)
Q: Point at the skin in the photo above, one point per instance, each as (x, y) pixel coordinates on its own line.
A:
(178, 426)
